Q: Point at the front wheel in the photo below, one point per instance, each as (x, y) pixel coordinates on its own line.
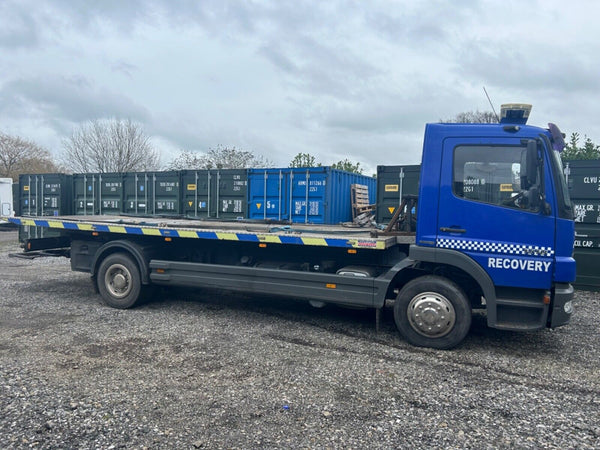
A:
(119, 281)
(432, 311)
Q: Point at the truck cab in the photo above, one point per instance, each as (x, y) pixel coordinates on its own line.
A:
(494, 206)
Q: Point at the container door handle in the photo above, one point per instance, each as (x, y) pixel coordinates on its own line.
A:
(453, 230)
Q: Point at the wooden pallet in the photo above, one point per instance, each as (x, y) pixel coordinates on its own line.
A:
(360, 201)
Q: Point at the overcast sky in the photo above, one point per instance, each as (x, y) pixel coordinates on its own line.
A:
(337, 79)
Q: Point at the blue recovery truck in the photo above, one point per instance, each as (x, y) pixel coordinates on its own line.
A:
(494, 232)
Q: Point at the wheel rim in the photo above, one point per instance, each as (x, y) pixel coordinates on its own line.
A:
(118, 280)
(431, 314)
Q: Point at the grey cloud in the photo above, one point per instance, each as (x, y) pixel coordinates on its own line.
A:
(421, 24)
(347, 75)
(278, 57)
(321, 68)
(18, 29)
(378, 117)
(31, 23)
(73, 99)
(124, 67)
(84, 14)
(385, 112)
(539, 69)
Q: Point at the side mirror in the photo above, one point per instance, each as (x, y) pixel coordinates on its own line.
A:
(531, 163)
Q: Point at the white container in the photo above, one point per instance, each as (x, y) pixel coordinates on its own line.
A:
(6, 198)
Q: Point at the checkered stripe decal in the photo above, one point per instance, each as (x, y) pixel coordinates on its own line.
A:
(494, 247)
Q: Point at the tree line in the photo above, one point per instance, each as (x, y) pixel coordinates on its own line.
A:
(112, 145)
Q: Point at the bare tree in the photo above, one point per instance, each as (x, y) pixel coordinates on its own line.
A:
(473, 117)
(109, 145)
(218, 158)
(18, 155)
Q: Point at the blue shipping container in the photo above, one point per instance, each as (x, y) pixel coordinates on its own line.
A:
(304, 195)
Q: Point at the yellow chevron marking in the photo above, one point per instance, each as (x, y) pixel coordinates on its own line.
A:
(269, 238)
(151, 232)
(116, 229)
(187, 234)
(314, 241)
(227, 236)
(27, 222)
(85, 226)
(55, 224)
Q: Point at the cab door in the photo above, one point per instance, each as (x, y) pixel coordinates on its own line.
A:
(484, 211)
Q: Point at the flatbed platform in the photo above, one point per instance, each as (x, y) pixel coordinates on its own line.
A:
(243, 230)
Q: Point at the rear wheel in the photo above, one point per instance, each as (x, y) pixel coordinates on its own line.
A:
(119, 281)
(432, 311)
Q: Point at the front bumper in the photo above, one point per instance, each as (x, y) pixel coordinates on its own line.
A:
(562, 305)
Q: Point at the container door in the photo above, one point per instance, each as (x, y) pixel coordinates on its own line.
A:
(309, 187)
(85, 192)
(165, 193)
(136, 187)
(195, 189)
(110, 193)
(231, 194)
(29, 188)
(394, 182)
(51, 195)
(481, 215)
(269, 192)
(583, 179)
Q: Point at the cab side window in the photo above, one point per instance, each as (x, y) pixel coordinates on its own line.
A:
(488, 174)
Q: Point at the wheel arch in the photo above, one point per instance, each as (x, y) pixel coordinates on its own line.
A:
(451, 264)
(134, 250)
(440, 258)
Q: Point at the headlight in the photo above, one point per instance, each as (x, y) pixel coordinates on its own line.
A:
(569, 307)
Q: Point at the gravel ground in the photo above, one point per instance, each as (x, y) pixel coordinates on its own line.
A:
(218, 370)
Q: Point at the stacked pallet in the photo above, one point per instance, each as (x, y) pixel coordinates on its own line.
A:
(363, 212)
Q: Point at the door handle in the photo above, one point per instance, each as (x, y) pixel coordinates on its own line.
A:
(453, 230)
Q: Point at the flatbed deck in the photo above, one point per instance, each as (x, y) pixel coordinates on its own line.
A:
(243, 230)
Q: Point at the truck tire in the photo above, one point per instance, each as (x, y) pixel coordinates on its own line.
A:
(119, 281)
(432, 311)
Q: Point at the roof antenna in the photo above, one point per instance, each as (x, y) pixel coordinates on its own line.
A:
(488, 97)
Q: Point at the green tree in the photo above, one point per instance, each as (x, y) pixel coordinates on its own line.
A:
(348, 166)
(308, 160)
(573, 150)
(304, 160)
